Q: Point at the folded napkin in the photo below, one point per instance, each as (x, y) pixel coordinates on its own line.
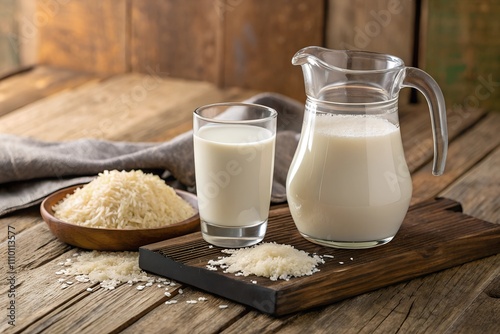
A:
(32, 169)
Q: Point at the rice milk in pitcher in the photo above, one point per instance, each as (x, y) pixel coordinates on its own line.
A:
(348, 185)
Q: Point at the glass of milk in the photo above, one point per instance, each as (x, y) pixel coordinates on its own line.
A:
(234, 147)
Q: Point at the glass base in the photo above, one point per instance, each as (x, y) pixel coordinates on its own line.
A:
(348, 244)
(234, 236)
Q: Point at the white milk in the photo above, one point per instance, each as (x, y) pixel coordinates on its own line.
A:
(234, 169)
(349, 181)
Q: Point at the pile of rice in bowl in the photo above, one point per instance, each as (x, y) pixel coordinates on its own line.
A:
(124, 200)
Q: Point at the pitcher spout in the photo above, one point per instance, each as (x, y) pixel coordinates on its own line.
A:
(311, 54)
(333, 75)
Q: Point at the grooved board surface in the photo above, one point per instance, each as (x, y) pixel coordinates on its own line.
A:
(435, 235)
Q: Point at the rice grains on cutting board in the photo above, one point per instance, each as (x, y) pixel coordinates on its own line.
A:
(272, 260)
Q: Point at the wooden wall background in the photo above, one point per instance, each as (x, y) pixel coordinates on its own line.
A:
(250, 43)
(462, 52)
(8, 29)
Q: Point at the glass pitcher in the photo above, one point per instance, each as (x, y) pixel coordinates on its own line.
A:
(348, 185)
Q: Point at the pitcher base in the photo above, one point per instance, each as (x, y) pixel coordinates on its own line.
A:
(348, 244)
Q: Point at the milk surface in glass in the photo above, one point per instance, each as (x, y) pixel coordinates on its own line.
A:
(234, 165)
(352, 183)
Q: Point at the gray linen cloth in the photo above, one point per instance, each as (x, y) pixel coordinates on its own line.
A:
(32, 169)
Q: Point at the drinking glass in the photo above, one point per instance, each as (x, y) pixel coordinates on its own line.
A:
(234, 147)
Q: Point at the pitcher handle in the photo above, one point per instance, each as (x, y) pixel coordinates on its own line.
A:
(423, 82)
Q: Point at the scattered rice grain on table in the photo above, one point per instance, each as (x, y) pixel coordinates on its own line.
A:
(109, 269)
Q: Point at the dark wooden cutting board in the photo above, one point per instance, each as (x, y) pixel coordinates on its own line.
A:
(435, 235)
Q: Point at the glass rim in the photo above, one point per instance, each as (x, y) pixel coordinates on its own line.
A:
(272, 112)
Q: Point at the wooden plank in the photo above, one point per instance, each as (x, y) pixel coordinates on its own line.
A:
(125, 305)
(261, 38)
(38, 83)
(18, 34)
(460, 51)
(111, 109)
(381, 26)
(37, 258)
(411, 307)
(255, 322)
(35, 246)
(20, 222)
(416, 132)
(385, 26)
(61, 310)
(27, 32)
(83, 35)
(43, 247)
(433, 237)
(464, 153)
(484, 312)
(478, 189)
(9, 46)
(177, 38)
(206, 316)
(168, 123)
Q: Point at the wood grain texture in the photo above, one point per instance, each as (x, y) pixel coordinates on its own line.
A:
(473, 188)
(29, 218)
(385, 26)
(464, 152)
(177, 38)
(261, 38)
(38, 237)
(32, 85)
(461, 51)
(183, 317)
(410, 307)
(434, 236)
(33, 281)
(111, 109)
(416, 133)
(9, 42)
(109, 315)
(27, 33)
(83, 35)
(35, 284)
(168, 122)
(246, 44)
(484, 311)
(61, 307)
(36, 281)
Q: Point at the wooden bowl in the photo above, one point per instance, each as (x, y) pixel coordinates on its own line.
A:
(110, 239)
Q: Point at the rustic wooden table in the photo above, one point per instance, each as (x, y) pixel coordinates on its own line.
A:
(55, 104)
